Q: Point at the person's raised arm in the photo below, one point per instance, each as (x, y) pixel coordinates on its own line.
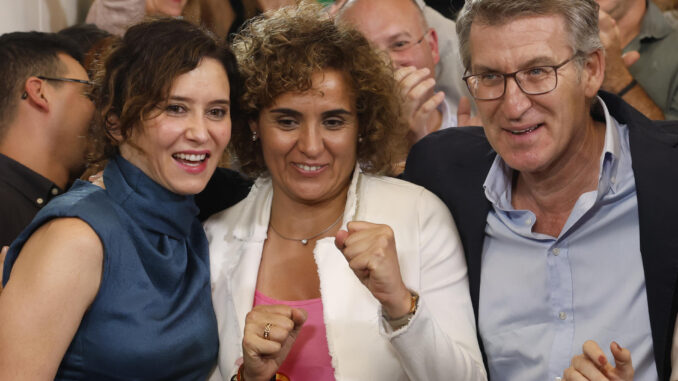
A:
(437, 340)
(618, 79)
(53, 282)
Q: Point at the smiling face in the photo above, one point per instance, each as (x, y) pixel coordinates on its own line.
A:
(390, 23)
(309, 140)
(534, 133)
(181, 146)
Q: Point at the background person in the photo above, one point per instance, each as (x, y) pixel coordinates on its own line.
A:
(352, 275)
(429, 90)
(114, 283)
(115, 16)
(44, 117)
(650, 84)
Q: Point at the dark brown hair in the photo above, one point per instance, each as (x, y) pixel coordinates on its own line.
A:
(26, 54)
(138, 72)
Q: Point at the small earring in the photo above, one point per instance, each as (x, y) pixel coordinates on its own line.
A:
(24, 95)
(360, 138)
(254, 136)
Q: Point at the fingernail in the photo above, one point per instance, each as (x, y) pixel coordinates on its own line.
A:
(602, 360)
(616, 345)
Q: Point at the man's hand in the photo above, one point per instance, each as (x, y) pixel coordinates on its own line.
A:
(416, 87)
(617, 74)
(464, 117)
(371, 253)
(593, 365)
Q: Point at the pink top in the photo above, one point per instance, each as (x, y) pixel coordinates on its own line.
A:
(309, 359)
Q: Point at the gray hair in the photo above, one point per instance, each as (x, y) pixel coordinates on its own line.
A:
(581, 20)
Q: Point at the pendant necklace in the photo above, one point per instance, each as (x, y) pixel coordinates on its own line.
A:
(304, 241)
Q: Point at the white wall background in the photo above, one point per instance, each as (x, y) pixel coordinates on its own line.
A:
(41, 15)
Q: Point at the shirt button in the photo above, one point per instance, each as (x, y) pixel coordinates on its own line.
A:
(528, 221)
(613, 179)
(40, 201)
(556, 251)
(562, 316)
(55, 191)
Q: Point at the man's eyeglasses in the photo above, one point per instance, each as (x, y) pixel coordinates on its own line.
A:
(533, 81)
(89, 83)
(403, 45)
(87, 91)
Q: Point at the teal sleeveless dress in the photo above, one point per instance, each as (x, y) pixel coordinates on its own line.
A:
(152, 318)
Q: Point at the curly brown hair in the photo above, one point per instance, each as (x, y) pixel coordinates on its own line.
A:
(279, 52)
(138, 72)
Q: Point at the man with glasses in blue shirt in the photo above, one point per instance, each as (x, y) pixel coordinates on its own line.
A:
(565, 199)
(44, 116)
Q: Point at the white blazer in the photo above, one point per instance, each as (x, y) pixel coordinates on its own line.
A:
(440, 341)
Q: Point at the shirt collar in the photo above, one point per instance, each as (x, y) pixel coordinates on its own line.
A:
(499, 180)
(35, 187)
(654, 24)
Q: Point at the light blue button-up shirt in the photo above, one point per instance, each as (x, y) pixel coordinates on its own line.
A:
(542, 297)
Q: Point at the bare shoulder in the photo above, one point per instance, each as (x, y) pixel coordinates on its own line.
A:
(67, 236)
(53, 282)
(63, 251)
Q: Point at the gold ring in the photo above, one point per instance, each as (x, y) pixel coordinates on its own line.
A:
(267, 330)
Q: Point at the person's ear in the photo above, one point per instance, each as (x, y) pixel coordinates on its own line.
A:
(113, 127)
(593, 73)
(254, 127)
(34, 92)
(432, 40)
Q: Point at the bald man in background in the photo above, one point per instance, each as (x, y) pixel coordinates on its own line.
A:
(431, 89)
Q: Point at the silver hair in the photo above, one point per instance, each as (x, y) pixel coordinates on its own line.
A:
(581, 20)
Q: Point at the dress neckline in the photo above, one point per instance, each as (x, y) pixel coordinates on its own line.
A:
(151, 205)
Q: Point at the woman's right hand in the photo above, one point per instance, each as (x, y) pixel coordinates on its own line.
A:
(593, 365)
(270, 331)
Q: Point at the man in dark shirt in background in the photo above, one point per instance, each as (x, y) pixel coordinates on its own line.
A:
(44, 117)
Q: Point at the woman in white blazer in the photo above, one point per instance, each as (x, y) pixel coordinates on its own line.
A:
(328, 270)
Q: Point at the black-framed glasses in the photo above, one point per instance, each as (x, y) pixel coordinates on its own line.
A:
(532, 81)
(89, 83)
(403, 45)
(88, 91)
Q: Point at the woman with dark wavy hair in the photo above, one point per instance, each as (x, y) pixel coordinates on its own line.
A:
(329, 269)
(114, 283)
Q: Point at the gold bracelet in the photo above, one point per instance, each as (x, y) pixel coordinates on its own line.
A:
(405, 319)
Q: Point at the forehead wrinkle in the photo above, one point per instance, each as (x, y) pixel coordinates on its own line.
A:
(518, 52)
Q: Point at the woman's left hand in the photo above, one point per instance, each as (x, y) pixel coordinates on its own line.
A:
(371, 253)
(593, 365)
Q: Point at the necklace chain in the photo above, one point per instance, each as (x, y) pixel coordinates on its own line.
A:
(304, 241)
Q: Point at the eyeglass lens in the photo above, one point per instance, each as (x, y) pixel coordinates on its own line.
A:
(536, 80)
